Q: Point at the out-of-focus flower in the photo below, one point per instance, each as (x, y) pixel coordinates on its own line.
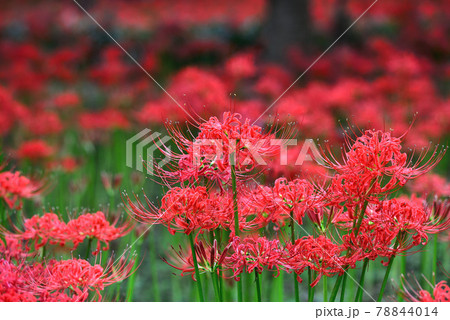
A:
(430, 184)
(66, 100)
(14, 187)
(34, 150)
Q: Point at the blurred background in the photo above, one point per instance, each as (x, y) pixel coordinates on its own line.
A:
(70, 97)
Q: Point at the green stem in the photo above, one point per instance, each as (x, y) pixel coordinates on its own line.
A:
(335, 290)
(277, 285)
(388, 269)
(197, 273)
(215, 282)
(220, 277)
(344, 284)
(360, 217)
(402, 271)
(3, 213)
(132, 278)
(325, 289)
(359, 293)
(297, 293)
(258, 286)
(435, 258)
(310, 289)
(88, 251)
(236, 214)
(153, 267)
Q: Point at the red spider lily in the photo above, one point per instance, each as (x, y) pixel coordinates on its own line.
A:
(67, 280)
(80, 277)
(430, 184)
(277, 204)
(95, 226)
(10, 111)
(321, 254)
(441, 293)
(13, 282)
(209, 258)
(189, 86)
(257, 253)
(66, 100)
(294, 196)
(241, 66)
(50, 229)
(217, 146)
(42, 230)
(374, 165)
(14, 187)
(44, 123)
(13, 248)
(412, 218)
(107, 119)
(260, 203)
(34, 150)
(188, 209)
(407, 220)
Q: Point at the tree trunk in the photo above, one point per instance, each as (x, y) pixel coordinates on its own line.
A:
(288, 24)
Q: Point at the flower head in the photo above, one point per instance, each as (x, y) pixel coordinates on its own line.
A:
(14, 187)
(254, 253)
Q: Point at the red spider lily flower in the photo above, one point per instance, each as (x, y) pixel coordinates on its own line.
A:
(13, 248)
(241, 66)
(430, 184)
(66, 100)
(34, 150)
(217, 146)
(374, 165)
(277, 204)
(67, 280)
(209, 258)
(50, 229)
(409, 221)
(44, 123)
(189, 209)
(76, 275)
(10, 111)
(181, 209)
(441, 293)
(202, 90)
(14, 187)
(95, 226)
(13, 295)
(260, 203)
(257, 253)
(321, 254)
(294, 196)
(42, 230)
(13, 283)
(412, 218)
(104, 120)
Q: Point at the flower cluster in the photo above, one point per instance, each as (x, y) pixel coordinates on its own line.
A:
(74, 280)
(49, 229)
(354, 218)
(14, 187)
